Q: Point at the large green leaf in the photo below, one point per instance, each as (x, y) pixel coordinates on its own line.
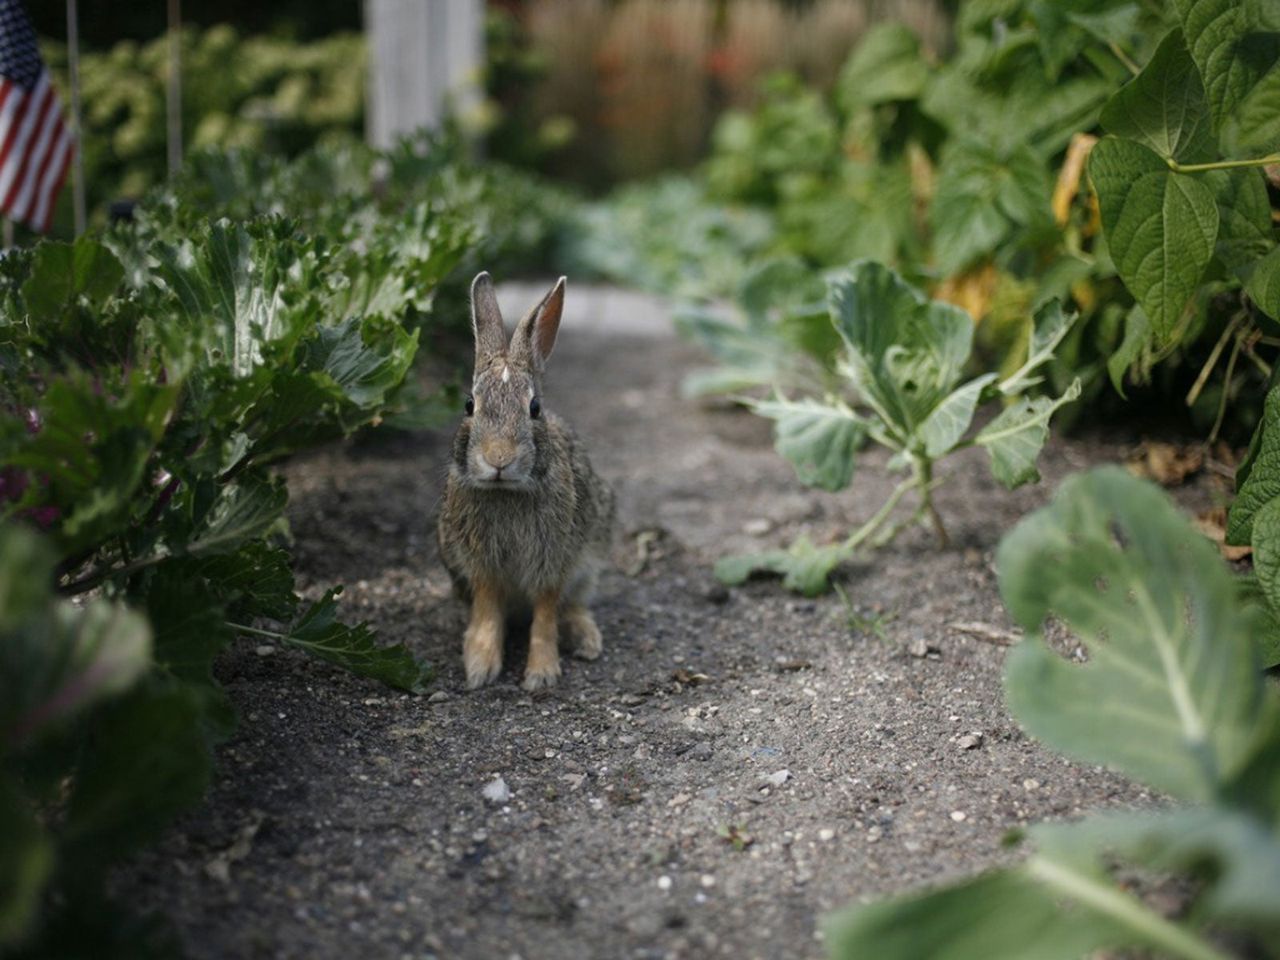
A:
(244, 511)
(1257, 124)
(1171, 694)
(1260, 484)
(320, 634)
(906, 353)
(1236, 854)
(56, 658)
(886, 65)
(1160, 227)
(1164, 107)
(1244, 214)
(820, 439)
(62, 273)
(147, 760)
(1001, 915)
(1014, 438)
(252, 283)
(1137, 337)
(980, 195)
(1262, 283)
(1230, 56)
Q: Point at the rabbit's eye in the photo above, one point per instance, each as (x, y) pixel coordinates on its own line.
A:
(471, 406)
(535, 408)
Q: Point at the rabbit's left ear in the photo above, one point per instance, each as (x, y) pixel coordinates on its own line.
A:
(535, 337)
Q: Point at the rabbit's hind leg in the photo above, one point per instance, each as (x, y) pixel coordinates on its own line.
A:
(580, 628)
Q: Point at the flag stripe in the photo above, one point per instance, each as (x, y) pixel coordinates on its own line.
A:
(25, 187)
(36, 146)
(16, 168)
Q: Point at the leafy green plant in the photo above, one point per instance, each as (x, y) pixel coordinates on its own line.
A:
(903, 360)
(1179, 180)
(148, 381)
(1172, 696)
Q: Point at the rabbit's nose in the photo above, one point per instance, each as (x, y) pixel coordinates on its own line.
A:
(499, 456)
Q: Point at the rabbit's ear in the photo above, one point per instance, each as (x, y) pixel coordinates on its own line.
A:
(535, 337)
(486, 320)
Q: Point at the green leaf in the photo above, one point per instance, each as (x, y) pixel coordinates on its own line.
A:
(366, 359)
(244, 511)
(26, 864)
(906, 353)
(319, 633)
(944, 427)
(255, 581)
(1231, 58)
(1263, 283)
(56, 658)
(1137, 336)
(1002, 915)
(1261, 484)
(1048, 328)
(1257, 125)
(147, 760)
(981, 194)
(886, 65)
(777, 284)
(820, 439)
(1160, 227)
(1237, 856)
(1164, 107)
(1267, 628)
(1171, 694)
(62, 273)
(1015, 437)
(803, 566)
(1244, 213)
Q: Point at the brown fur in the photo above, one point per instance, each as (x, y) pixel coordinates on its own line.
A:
(535, 539)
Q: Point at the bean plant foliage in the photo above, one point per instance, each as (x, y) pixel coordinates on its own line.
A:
(149, 379)
(901, 369)
(1172, 696)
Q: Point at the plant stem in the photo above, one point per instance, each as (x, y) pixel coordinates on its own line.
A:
(1177, 167)
(85, 584)
(924, 482)
(1124, 58)
(1212, 362)
(880, 516)
(1226, 390)
(269, 634)
(1123, 909)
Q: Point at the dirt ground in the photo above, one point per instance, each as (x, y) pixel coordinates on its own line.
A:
(852, 751)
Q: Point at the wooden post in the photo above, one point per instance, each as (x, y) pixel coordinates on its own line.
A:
(73, 72)
(7, 238)
(173, 90)
(424, 58)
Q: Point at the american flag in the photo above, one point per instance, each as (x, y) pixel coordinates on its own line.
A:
(35, 145)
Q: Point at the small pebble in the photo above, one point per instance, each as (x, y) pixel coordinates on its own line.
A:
(959, 816)
(778, 779)
(825, 834)
(1030, 784)
(438, 697)
(496, 791)
(707, 880)
(265, 650)
(970, 741)
(664, 883)
(757, 527)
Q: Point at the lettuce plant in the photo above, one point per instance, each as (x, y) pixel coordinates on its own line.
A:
(903, 360)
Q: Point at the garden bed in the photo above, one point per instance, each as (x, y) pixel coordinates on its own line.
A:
(739, 762)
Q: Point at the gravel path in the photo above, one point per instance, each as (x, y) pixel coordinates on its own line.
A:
(738, 764)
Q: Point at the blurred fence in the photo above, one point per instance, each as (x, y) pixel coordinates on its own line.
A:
(615, 89)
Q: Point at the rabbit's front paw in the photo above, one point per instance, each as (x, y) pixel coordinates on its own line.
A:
(540, 675)
(482, 653)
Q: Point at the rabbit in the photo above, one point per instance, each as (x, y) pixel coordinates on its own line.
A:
(525, 522)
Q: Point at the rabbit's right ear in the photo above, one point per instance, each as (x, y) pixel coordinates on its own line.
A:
(486, 320)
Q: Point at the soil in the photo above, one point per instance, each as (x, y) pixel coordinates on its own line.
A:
(850, 747)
